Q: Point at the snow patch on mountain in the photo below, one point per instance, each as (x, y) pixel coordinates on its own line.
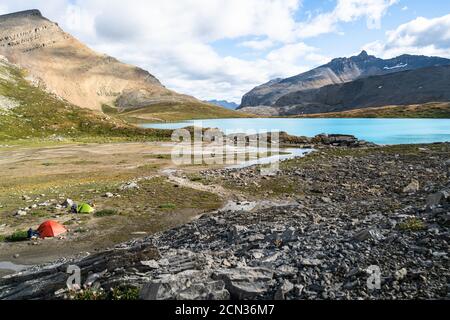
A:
(398, 66)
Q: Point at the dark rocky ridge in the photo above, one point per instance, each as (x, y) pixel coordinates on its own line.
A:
(338, 71)
(28, 30)
(25, 13)
(403, 88)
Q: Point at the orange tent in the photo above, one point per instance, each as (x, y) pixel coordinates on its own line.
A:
(51, 229)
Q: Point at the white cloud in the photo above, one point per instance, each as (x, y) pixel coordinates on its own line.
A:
(258, 44)
(3, 9)
(291, 53)
(175, 40)
(346, 11)
(172, 39)
(419, 36)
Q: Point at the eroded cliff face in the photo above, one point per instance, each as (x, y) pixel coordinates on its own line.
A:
(27, 31)
(68, 68)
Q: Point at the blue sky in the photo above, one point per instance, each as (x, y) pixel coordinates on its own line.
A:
(220, 49)
(355, 35)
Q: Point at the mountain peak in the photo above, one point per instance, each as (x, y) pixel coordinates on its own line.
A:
(20, 14)
(68, 68)
(339, 70)
(27, 31)
(363, 54)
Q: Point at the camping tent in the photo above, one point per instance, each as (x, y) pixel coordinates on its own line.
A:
(50, 229)
(84, 208)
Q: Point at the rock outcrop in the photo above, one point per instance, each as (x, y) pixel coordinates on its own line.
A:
(68, 68)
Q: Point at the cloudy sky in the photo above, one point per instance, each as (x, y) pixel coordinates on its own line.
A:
(220, 49)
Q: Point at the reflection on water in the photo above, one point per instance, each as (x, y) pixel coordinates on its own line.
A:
(292, 153)
(6, 265)
(381, 131)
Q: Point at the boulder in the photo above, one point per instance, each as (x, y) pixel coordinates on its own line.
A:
(400, 274)
(151, 264)
(335, 139)
(290, 234)
(368, 234)
(212, 290)
(188, 285)
(437, 199)
(412, 187)
(307, 262)
(285, 288)
(245, 282)
(21, 213)
(129, 186)
(236, 232)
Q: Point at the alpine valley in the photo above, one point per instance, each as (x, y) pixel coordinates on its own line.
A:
(102, 198)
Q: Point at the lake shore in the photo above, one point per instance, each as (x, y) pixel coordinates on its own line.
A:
(376, 130)
(37, 181)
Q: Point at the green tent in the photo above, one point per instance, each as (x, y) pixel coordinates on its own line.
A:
(84, 208)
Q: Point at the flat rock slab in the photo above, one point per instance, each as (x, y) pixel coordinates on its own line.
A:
(245, 283)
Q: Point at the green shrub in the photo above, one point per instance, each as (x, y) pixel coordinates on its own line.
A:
(167, 206)
(120, 293)
(105, 213)
(412, 224)
(87, 294)
(80, 230)
(18, 236)
(129, 293)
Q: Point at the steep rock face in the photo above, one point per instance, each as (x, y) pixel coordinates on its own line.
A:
(340, 70)
(68, 68)
(402, 88)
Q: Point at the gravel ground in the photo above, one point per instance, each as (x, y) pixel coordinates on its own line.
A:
(364, 225)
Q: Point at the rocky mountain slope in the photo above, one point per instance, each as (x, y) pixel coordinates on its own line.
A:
(28, 112)
(402, 88)
(338, 71)
(64, 66)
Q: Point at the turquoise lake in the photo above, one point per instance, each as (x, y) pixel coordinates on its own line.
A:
(381, 131)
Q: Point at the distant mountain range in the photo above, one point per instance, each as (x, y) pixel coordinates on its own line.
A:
(356, 82)
(225, 104)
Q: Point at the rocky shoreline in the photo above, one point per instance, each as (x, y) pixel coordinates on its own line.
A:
(385, 208)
